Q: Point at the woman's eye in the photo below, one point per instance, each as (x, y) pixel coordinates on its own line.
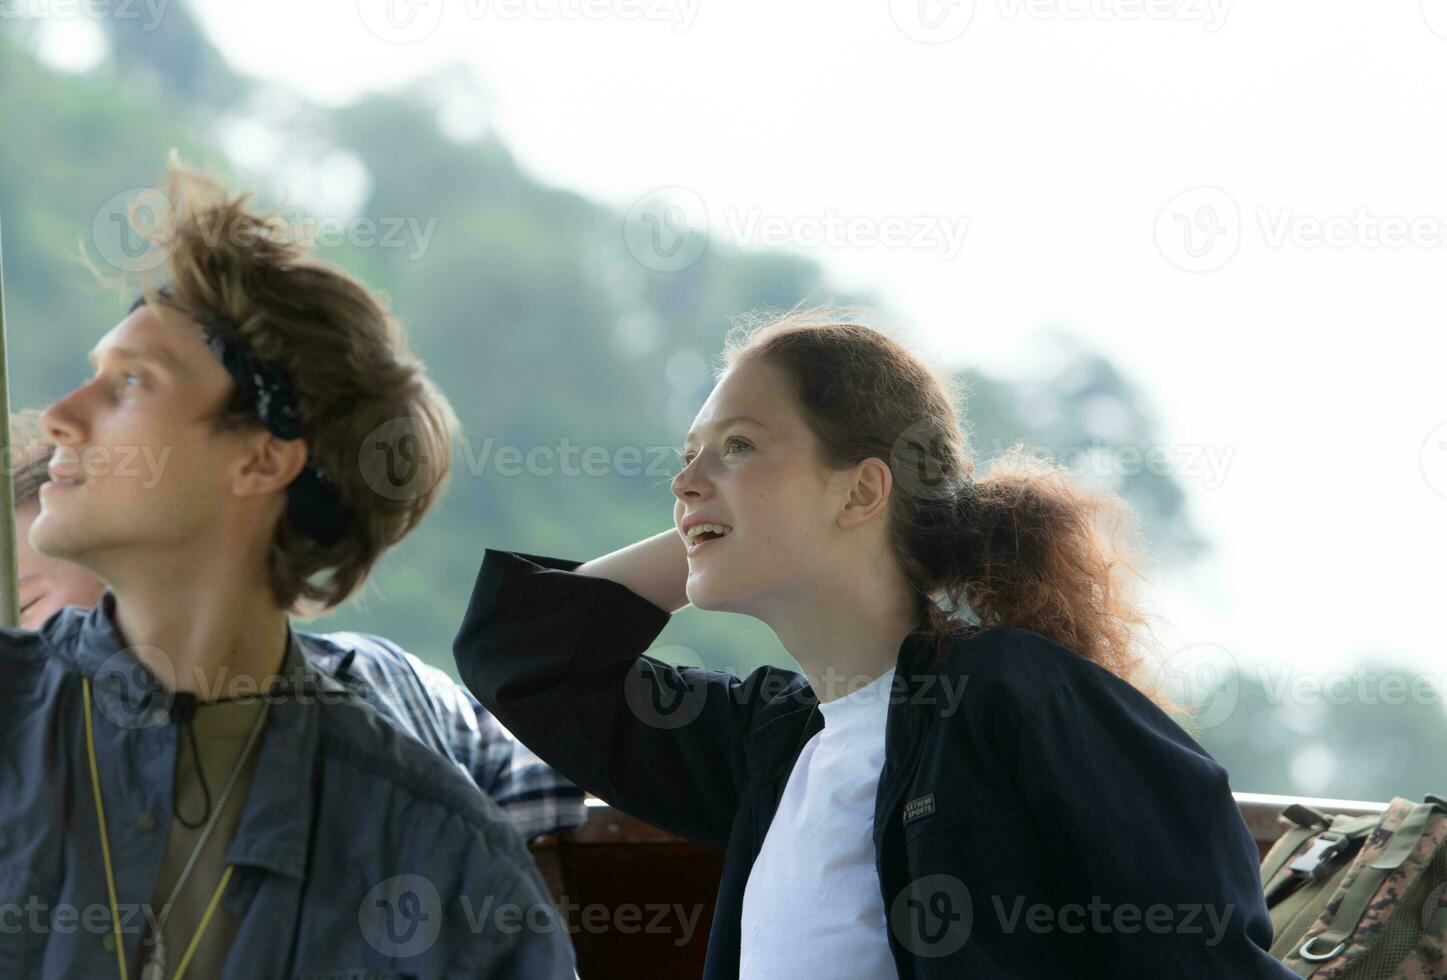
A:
(685, 456)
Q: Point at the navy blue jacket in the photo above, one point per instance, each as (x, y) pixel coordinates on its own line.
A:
(1036, 815)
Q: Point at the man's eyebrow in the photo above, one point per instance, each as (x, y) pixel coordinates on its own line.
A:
(27, 577)
(156, 355)
(725, 423)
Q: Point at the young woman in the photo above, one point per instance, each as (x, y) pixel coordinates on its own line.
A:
(966, 780)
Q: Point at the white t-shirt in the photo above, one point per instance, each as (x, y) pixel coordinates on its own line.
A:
(812, 906)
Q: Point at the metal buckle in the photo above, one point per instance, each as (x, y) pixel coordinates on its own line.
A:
(1305, 953)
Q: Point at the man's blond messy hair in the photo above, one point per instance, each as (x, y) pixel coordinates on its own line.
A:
(371, 417)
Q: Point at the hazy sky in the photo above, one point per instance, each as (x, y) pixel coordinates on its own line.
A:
(1243, 205)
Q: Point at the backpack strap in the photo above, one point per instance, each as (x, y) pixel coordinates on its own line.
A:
(1330, 845)
(1330, 944)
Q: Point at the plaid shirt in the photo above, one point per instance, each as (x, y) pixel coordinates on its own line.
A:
(444, 716)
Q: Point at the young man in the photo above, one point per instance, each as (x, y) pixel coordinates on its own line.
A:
(421, 700)
(181, 791)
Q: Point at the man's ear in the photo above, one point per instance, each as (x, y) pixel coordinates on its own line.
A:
(270, 464)
(869, 486)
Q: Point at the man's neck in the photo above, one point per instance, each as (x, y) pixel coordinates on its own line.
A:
(202, 638)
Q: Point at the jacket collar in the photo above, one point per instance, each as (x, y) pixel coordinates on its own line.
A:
(274, 832)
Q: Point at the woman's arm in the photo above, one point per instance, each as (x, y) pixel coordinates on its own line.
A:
(1125, 796)
(655, 568)
(559, 657)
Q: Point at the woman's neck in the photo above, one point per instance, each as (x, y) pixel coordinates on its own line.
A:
(842, 646)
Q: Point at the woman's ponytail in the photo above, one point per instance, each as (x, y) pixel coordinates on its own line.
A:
(1031, 548)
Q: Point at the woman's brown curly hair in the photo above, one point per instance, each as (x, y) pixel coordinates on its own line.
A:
(1024, 545)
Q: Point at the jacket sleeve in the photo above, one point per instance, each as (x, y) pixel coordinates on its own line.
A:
(1122, 793)
(559, 658)
(536, 799)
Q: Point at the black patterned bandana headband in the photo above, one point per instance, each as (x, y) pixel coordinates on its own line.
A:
(312, 500)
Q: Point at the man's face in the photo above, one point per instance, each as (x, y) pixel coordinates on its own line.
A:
(48, 584)
(151, 476)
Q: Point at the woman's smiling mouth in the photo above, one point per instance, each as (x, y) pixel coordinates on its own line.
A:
(701, 534)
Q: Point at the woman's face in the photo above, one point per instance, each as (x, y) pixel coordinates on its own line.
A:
(751, 464)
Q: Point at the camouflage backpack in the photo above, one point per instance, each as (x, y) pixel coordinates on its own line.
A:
(1361, 898)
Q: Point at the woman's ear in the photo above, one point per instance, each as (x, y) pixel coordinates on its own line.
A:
(870, 483)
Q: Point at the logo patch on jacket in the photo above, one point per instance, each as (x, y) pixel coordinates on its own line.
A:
(921, 807)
